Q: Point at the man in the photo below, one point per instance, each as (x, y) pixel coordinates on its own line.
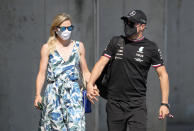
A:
(126, 103)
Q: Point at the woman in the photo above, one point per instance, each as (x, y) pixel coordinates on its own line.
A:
(61, 57)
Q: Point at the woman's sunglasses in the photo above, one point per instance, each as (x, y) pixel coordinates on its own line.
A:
(63, 28)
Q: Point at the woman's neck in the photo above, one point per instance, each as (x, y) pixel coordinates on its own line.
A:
(64, 43)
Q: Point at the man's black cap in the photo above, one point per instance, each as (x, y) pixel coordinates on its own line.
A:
(136, 16)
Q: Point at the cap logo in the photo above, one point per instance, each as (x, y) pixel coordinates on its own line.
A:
(132, 13)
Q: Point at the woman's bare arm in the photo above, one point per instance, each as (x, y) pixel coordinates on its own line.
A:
(42, 72)
(83, 63)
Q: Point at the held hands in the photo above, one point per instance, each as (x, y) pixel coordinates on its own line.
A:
(164, 112)
(92, 93)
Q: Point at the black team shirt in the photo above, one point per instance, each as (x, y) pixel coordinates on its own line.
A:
(130, 67)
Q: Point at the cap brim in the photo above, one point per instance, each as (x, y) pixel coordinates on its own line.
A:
(129, 18)
(123, 17)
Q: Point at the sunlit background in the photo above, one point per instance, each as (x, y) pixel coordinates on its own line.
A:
(24, 28)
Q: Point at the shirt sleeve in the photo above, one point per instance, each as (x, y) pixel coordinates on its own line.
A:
(110, 49)
(157, 59)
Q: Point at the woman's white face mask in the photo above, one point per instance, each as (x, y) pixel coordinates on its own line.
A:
(64, 35)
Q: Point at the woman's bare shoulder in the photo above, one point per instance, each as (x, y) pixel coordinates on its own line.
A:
(45, 48)
(81, 47)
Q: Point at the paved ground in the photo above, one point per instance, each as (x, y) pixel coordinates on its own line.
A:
(179, 127)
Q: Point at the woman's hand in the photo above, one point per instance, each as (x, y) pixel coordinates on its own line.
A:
(38, 99)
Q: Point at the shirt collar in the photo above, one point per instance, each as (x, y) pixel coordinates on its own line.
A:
(137, 40)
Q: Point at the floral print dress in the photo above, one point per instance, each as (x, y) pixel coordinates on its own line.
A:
(62, 102)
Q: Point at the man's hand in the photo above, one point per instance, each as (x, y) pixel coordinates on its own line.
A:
(96, 91)
(92, 92)
(163, 112)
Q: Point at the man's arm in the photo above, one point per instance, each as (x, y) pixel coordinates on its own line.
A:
(96, 72)
(164, 85)
(98, 68)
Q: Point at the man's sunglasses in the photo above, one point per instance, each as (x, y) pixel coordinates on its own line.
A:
(131, 24)
(69, 28)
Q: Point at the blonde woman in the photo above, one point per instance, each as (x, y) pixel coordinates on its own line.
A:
(61, 57)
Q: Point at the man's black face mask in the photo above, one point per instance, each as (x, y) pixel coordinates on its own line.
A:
(130, 28)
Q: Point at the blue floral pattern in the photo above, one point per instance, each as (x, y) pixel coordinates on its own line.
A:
(62, 102)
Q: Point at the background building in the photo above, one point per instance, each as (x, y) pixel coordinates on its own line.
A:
(24, 27)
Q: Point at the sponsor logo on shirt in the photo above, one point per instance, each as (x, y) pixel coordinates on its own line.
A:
(157, 65)
(139, 54)
(119, 53)
(138, 59)
(140, 49)
(159, 51)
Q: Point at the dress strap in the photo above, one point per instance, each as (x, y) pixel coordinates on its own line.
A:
(77, 45)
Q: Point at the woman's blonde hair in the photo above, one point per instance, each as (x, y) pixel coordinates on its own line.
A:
(58, 20)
